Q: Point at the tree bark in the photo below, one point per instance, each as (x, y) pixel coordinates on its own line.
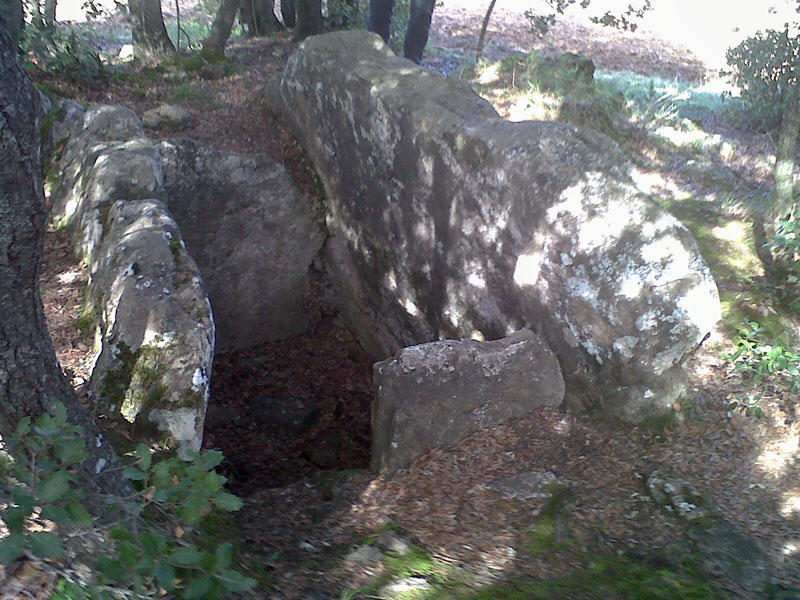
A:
(50, 12)
(482, 36)
(309, 18)
(30, 377)
(287, 12)
(149, 35)
(11, 11)
(214, 44)
(259, 16)
(783, 208)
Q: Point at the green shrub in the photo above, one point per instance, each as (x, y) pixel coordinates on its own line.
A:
(761, 361)
(765, 67)
(62, 51)
(160, 546)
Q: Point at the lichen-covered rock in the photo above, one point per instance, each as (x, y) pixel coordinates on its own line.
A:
(105, 159)
(725, 551)
(253, 234)
(166, 116)
(448, 222)
(436, 394)
(156, 332)
(156, 327)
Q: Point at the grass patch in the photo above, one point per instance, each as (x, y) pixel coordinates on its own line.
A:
(728, 243)
(192, 94)
(603, 577)
(559, 89)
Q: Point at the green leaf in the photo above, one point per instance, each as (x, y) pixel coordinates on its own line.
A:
(122, 535)
(195, 509)
(78, 513)
(224, 553)
(188, 556)
(235, 581)
(165, 575)
(55, 487)
(153, 543)
(46, 544)
(55, 513)
(213, 482)
(23, 427)
(14, 518)
(198, 588)
(71, 451)
(145, 457)
(109, 568)
(144, 566)
(12, 547)
(128, 553)
(21, 497)
(228, 502)
(61, 413)
(134, 474)
(211, 459)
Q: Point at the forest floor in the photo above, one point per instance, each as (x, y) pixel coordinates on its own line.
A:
(306, 509)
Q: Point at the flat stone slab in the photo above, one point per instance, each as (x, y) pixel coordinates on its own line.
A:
(436, 394)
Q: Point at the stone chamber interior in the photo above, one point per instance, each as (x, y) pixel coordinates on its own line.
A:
(285, 410)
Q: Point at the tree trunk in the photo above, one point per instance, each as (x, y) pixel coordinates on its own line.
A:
(50, 12)
(259, 16)
(214, 44)
(783, 208)
(30, 377)
(309, 18)
(150, 37)
(11, 11)
(287, 12)
(482, 36)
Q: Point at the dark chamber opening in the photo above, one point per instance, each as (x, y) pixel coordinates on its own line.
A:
(282, 411)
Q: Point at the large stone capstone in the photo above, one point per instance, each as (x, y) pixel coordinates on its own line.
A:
(448, 222)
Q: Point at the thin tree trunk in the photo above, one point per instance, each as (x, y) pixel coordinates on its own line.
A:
(783, 208)
(147, 28)
(30, 377)
(309, 18)
(482, 36)
(50, 12)
(287, 12)
(214, 44)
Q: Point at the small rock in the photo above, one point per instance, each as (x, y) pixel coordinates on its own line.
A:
(166, 116)
(728, 552)
(365, 555)
(126, 52)
(404, 586)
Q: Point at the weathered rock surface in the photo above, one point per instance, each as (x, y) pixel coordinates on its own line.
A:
(166, 116)
(449, 222)
(253, 234)
(436, 394)
(156, 326)
(155, 329)
(724, 550)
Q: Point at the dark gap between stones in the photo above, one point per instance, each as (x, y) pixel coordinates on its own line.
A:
(284, 410)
